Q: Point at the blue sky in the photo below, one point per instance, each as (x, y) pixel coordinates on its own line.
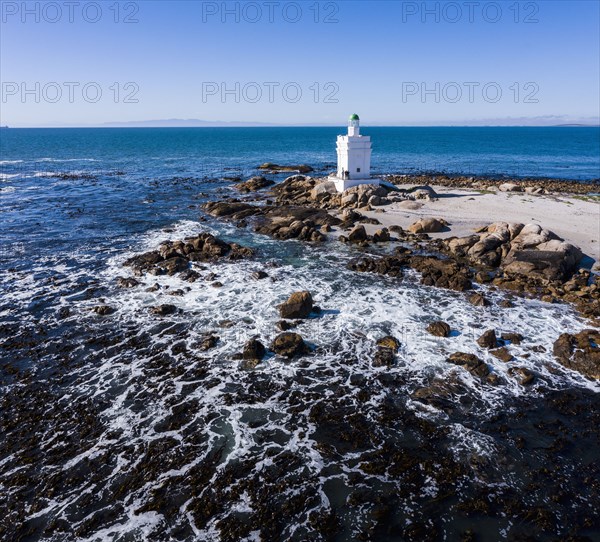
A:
(283, 62)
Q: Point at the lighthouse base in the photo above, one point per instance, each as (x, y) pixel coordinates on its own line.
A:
(344, 184)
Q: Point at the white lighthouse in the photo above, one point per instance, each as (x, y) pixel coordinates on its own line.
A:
(353, 157)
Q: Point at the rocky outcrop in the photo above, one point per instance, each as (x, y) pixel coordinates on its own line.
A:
(580, 352)
(276, 168)
(298, 305)
(442, 273)
(253, 184)
(175, 257)
(289, 345)
(357, 235)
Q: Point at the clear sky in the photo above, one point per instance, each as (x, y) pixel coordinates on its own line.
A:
(393, 62)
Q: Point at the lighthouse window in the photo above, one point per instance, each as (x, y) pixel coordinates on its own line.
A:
(358, 170)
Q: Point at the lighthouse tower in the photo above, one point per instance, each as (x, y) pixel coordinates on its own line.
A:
(353, 157)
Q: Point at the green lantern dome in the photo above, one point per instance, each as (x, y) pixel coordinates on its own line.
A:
(354, 117)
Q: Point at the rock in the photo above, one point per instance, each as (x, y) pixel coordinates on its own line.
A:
(389, 342)
(381, 236)
(470, 362)
(357, 235)
(459, 246)
(323, 190)
(502, 354)
(285, 325)
(580, 352)
(509, 187)
(103, 310)
(259, 275)
(253, 184)
(209, 342)
(524, 376)
(164, 310)
(349, 200)
(410, 205)
(253, 349)
(235, 210)
(428, 225)
(442, 273)
(384, 357)
(298, 305)
(534, 190)
(488, 339)
(514, 338)
(276, 168)
(289, 345)
(439, 329)
(478, 300)
(422, 192)
(128, 282)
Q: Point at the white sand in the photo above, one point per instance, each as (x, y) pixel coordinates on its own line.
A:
(573, 219)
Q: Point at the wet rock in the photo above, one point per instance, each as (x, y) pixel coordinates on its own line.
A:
(514, 338)
(442, 273)
(470, 362)
(478, 300)
(103, 310)
(289, 345)
(388, 265)
(384, 357)
(488, 339)
(208, 342)
(439, 329)
(502, 354)
(253, 184)
(523, 375)
(259, 275)
(231, 209)
(580, 352)
(253, 350)
(216, 284)
(173, 265)
(285, 325)
(357, 235)
(298, 305)
(128, 282)
(276, 168)
(428, 225)
(389, 342)
(164, 310)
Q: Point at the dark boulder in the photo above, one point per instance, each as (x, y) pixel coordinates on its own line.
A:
(289, 345)
(488, 339)
(439, 329)
(298, 305)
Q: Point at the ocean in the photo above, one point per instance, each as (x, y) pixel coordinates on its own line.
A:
(122, 427)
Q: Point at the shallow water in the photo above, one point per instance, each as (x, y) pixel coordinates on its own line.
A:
(122, 428)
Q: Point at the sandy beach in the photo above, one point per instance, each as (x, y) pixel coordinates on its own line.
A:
(575, 218)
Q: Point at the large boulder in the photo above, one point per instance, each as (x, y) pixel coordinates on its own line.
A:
(298, 305)
(289, 345)
(358, 234)
(428, 225)
(253, 350)
(552, 260)
(580, 352)
(488, 339)
(322, 190)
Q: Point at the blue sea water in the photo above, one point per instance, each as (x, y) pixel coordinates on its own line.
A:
(555, 152)
(121, 427)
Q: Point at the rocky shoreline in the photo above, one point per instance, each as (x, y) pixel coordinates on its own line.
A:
(524, 260)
